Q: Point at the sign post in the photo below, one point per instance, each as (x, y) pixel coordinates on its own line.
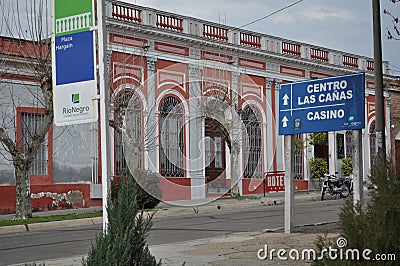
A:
(320, 105)
(73, 63)
(104, 112)
(74, 74)
(357, 168)
(289, 183)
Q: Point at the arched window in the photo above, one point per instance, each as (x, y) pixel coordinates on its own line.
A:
(252, 143)
(133, 112)
(372, 142)
(171, 138)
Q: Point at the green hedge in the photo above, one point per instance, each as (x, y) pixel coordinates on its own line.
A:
(319, 167)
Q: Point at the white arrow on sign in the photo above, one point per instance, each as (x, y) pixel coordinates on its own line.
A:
(284, 121)
(285, 99)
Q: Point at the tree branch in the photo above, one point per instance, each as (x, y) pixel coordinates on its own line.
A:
(8, 142)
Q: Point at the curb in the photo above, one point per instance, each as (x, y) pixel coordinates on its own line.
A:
(49, 225)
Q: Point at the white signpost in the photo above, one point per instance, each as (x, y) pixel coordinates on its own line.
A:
(73, 63)
(74, 74)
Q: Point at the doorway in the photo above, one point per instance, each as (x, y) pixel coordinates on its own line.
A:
(215, 157)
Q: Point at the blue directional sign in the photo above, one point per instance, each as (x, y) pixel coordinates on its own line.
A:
(73, 62)
(321, 105)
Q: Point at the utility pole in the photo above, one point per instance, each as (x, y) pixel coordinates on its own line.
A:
(378, 73)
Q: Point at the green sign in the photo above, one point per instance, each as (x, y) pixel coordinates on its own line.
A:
(72, 16)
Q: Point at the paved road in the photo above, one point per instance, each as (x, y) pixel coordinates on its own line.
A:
(71, 241)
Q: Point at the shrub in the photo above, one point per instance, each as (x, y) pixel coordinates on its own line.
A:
(148, 190)
(124, 242)
(318, 167)
(318, 138)
(347, 166)
(376, 226)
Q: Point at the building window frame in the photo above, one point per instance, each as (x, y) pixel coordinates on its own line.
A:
(36, 176)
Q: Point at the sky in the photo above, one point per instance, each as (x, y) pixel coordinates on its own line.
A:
(344, 25)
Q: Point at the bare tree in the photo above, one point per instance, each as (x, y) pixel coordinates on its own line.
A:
(26, 57)
(393, 33)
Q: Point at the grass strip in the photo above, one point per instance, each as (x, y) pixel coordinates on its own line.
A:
(52, 218)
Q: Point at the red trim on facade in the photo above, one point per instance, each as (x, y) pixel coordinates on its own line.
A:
(216, 57)
(252, 88)
(127, 69)
(217, 81)
(370, 65)
(43, 202)
(175, 188)
(291, 49)
(127, 40)
(300, 184)
(370, 85)
(126, 13)
(252, 63)
(252, 186)
(318, 54)
(214, 32)
(318, 75)
(370, 108)
(250, 40)
(19, 77)
(8, 201)
(20, 47)
(350, 61)
(169, 22)
(292, 71)
(173, 69)
(171, 48)
(43, 179)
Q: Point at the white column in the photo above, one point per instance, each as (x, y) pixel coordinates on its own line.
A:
(196, 167)
(152, 118)
(332, 152)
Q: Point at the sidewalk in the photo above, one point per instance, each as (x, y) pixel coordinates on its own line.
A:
(231, 249)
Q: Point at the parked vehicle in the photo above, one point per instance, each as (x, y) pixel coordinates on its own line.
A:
(337, 186)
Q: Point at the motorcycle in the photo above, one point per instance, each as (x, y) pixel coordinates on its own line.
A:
(342, 186)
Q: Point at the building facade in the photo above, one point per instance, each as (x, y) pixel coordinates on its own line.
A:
(196, 102)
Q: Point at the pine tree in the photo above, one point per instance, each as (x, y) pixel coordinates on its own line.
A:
(375, 227)
(124, 243)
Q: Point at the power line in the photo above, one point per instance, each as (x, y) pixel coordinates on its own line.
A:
(273, 13)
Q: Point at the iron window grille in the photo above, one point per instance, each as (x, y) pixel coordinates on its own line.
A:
(171, 138)
(252, 143)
